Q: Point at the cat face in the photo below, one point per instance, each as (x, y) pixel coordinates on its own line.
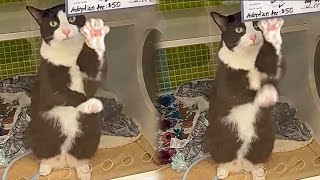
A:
(55, 26)
(236, 34)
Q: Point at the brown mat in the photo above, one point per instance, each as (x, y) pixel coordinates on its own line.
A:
(28, 166)
(206, 169)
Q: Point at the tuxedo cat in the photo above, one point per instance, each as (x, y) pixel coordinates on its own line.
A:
(240, 134)
(64, 130)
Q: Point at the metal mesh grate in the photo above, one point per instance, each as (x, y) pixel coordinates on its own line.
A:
(168, 5)
(19, 56)
(178, 65)
(11, 1)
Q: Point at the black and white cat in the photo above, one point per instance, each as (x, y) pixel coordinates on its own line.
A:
(64, 130)
(240, 133)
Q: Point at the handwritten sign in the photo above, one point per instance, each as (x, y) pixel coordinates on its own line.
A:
(253, 10)
(74, 7)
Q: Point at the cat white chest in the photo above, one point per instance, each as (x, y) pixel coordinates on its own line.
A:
(66, 119)
(242, 119)
(239, 61)
(76, 79)
(63, 54)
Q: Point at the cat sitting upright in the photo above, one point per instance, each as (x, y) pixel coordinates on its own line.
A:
(240, 134)
(64, 130)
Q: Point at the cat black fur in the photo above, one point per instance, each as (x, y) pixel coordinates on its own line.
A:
(51, 89)
(232, 89)
(44, 137)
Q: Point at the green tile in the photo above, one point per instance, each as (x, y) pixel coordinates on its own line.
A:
(16, 56)
(186, 63)
(187, 5)
(174, 6)
(180, 6)
(174, 56)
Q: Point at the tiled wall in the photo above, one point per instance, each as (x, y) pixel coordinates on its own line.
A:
(178, 65)
(11, 1)
(169, 5)
(19, 56)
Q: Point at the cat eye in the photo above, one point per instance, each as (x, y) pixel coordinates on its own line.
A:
(239, 30)
(53, 23)
(72, 19)
(255, 25)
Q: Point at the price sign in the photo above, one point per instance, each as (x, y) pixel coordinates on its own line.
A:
(253, 10)
(74, 7)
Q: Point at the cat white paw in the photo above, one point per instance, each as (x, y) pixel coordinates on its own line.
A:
(44, 169)
(271, 30)
(267, 96)
(95, 31)
(259, 174)
(84, 172)
(254, 79)
(222, 172)
(92, 105)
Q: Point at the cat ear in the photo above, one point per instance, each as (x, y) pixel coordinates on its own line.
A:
(36, 13)
(220, 20)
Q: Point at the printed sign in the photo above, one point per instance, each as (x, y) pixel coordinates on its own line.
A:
(74, 7)
(253, 10)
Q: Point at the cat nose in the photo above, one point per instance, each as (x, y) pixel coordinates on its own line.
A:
(66, 31)
(253, 37)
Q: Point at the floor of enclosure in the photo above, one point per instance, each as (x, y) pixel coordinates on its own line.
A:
(207, 169)
(27, 166)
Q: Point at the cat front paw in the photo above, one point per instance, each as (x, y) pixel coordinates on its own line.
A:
(44, 169)
(259, 173)
(84, 172)
(92, 105)
(254, 77)
(95, 31)
(271, 30)
(222, 172)
(267, 96)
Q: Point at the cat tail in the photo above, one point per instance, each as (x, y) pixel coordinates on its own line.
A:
(107, 141)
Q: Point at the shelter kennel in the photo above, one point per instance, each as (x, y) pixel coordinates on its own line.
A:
(129, 54)
(186, 72)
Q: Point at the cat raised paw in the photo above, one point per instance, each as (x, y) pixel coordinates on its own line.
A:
(92, 105)
(271, 30)
(95, 31)
(267, 96)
